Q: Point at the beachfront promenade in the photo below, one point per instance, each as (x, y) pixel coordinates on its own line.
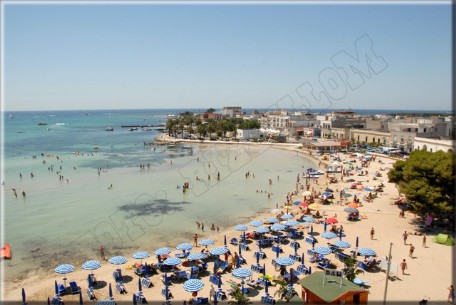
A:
(428, 270)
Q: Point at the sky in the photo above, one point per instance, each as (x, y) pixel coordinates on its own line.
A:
(149, 55)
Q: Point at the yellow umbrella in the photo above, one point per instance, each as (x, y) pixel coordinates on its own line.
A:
(314, 206)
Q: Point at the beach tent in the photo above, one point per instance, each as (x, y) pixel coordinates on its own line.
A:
(444, 239)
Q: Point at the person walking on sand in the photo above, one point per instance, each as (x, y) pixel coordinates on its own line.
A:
(372, 233)
(199, 225)
(424, 241)
(412, 248)
(202, 226)
(404, 236)
(451, 294)
(403, 265)
(195, 240)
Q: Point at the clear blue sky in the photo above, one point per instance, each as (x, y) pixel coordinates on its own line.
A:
(111, 56)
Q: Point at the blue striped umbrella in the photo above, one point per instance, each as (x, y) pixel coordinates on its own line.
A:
(218, 251)
(162, 251)
(64, 269)
(367, 252)
(304, 224)
(172, 261)
(309, 219)
(272, 220)
(342, 244)
(286, 216)
(256, 223)
(277, 227)
(262, 230)
(118, 260)
(368, 189)
(206, 242)
(193, 285)
(322, 250)
(351, 210)
(292, 223)
(91, 265)
(241, 228)
(242, 273)
(140, 255)
(329, 235)
(284, 261)
(196, 256)
(184, 247)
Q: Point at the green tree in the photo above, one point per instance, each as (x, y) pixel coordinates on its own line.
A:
(351, 268)
(210, 110)
(237, 297)
(427, 180)
(284, 291)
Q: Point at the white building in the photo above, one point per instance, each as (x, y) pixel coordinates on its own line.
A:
(247, 134)
(433, 145)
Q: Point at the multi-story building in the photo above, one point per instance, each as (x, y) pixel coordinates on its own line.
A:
(231, 112)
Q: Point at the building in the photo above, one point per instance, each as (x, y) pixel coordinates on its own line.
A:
(231, 112)
(247, 134)
(318, 288)
(433, 145)
(206, 116)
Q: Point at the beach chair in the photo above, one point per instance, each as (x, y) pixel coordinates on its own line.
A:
(181, 275)
(121, 288)
(234, 241)
(324, 263)
(202, 267)
(304, 270)
(265, 299)
(310, 240)
(276, 248)
(295, 257)
(91, 294)
(117, 275)
(140, 298)
(257, 268)
(56, 300)
(293, 243)
(201, 301)
(224, 265)
(74, 287)
(245, 247)
(214, 279)
(221, 296)
(146, 282)
(363, 266)
(168, 279)
(259, 254)
(91, 280)
(242, 260)
(61, 289)
(106, 302)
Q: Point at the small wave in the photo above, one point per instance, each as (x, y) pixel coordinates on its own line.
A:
(59, 124)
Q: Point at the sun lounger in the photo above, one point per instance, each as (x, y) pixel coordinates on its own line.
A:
(310, 252)
(310, 240)
(201, 301)
(363, 266)
(244, 247)
(253, 284)
(181, 275)
(214, 279)
(202, 267)
(234, 241)
(91, 280)
(260, 254)
(295, 257)
(224, 265)
(106, 302)
(341, 256)
(324, 263)
(182, 254)
(264, 242)
(117, 275)
(314, 259)
(257, 268)
(221, 296)
(146, 282)
(267, 300)
(242, 260)
(121, 288)
(61, 289)
(168, 279)
(293, 243)
(275, 248)
(56, 300)
(304, 270)
(140, 298)
(74, 288)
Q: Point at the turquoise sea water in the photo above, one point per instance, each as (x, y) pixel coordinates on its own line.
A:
(62, 221)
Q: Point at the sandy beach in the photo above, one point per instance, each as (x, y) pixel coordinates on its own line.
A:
(428, 273)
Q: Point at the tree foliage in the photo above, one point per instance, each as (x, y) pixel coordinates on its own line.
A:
(427, 179)
(237, 297)
(351, 268)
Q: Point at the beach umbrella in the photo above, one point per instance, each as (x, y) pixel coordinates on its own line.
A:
(367, 252)
(206, 242)
(276, 211)
(329, 235)
(118, 260)
(304, 204)
(292, 223)
(286, 216)
(342, 244)
(256, 223)
(80, 297)
(322, 250)
(162, 251)
(262, 230)
(331, 220)
(329, 190)
(314, 206)
(141, 255)
(139, 284)
(64, 269)
(368, 189)
(284, 261)
(241, 228)
(196, 256)
(193, 285)
(309, 219)
(172, 261)
(307, 193)
(242, 273)
(297, 202)
(23, 297)
(272, 220)
(110, 290)
(218, 251)
(277, 227)
(184, 247)
(91, 265)
(351, 210)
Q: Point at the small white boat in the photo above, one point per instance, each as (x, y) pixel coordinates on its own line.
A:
(11, 116)
(109, 129)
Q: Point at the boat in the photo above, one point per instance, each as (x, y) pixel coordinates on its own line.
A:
(109, 129)
(5, 252)
(133, 129)
(42, 124)
(11, 116)
(147, 129)
(186, 147)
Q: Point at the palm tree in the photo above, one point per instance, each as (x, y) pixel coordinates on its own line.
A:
(284, 291)
(350, 270)
(237, 297)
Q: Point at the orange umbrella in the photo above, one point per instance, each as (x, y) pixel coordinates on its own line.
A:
(353, 205)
